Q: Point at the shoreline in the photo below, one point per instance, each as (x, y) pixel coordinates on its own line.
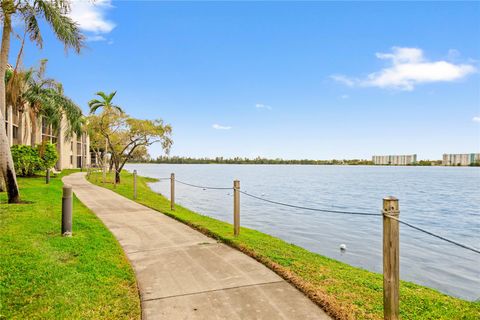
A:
(307, 164)
(332, 284)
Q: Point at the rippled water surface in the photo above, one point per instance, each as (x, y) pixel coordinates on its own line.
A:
(444, 200)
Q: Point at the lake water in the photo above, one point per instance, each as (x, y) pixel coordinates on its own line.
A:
(444, 200)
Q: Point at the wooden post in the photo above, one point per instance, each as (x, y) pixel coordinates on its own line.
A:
(105, 162)
(391, 259)
(47, 176)
(134, 184)
(67, 206)
(172, 191)
(236, 208)
(104, 173)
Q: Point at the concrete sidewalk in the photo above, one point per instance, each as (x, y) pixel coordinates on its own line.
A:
(182, 274)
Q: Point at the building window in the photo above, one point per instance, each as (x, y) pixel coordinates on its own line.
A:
(48, 134)
(15, 132)
(6, 120)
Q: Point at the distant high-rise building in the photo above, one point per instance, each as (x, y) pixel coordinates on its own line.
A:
(401, 160)
(461, 159)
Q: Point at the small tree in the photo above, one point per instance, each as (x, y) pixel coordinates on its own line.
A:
(48, 158)
(126, 135)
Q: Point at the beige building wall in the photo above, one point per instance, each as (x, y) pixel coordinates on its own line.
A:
(460, 159)
(73, 152)
(395, 160)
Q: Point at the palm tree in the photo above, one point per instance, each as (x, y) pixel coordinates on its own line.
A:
(66, 30)
(45, 97)
(106, 104)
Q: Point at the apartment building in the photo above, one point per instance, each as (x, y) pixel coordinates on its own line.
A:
(464, 159)
(73, 152)
(395, 160)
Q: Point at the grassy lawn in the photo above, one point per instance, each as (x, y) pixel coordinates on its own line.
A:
(46, 276)
(344, 291)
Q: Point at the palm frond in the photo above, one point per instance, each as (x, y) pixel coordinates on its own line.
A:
(66, 30)
(31, 24)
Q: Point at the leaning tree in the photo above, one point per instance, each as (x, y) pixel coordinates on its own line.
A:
(125, 135)
(55, 13)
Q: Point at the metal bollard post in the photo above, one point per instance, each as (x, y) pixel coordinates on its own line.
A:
(67, 206)
(172, 191)
(391, 259)
(134, 184)
(236, 208)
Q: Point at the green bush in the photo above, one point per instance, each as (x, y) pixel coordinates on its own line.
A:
(48, 155)
(26, 160)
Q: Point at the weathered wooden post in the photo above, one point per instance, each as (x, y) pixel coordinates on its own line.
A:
(105, 162)
(391, 259)
(172, 191)
(104, 173)
(134, 184)
(67, 206)
(236, 208)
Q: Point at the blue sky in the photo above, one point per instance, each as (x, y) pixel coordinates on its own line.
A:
(315, 80)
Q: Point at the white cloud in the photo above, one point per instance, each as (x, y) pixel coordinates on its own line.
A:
(453, 54)
(263, 106)
(220, 127)
(344, 96)
(408, 68)
(343, 79)
(476, 119)
(96, 38)
(90, 15)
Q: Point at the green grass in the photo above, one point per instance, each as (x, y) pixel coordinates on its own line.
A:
(344, 291)
(46, 276)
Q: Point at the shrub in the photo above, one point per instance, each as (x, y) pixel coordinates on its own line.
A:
(26, 160)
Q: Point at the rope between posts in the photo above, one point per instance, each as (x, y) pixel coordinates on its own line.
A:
(202, 187)
(433, 234)
(308, 208)
(334, 211)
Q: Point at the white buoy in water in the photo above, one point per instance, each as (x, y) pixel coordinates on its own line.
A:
(343, 247)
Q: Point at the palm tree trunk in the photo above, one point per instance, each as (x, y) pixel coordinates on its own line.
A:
(33, 123)
(6, 161)
(2, 183)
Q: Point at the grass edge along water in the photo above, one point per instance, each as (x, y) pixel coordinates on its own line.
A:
(344, 291)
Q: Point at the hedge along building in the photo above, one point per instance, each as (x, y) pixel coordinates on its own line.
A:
(73, 152)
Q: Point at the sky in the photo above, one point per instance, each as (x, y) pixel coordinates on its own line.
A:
(292, 80)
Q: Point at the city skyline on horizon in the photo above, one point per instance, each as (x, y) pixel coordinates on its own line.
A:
(313, 159)
(283, 80)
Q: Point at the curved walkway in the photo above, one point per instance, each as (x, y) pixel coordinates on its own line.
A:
(183, 274)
